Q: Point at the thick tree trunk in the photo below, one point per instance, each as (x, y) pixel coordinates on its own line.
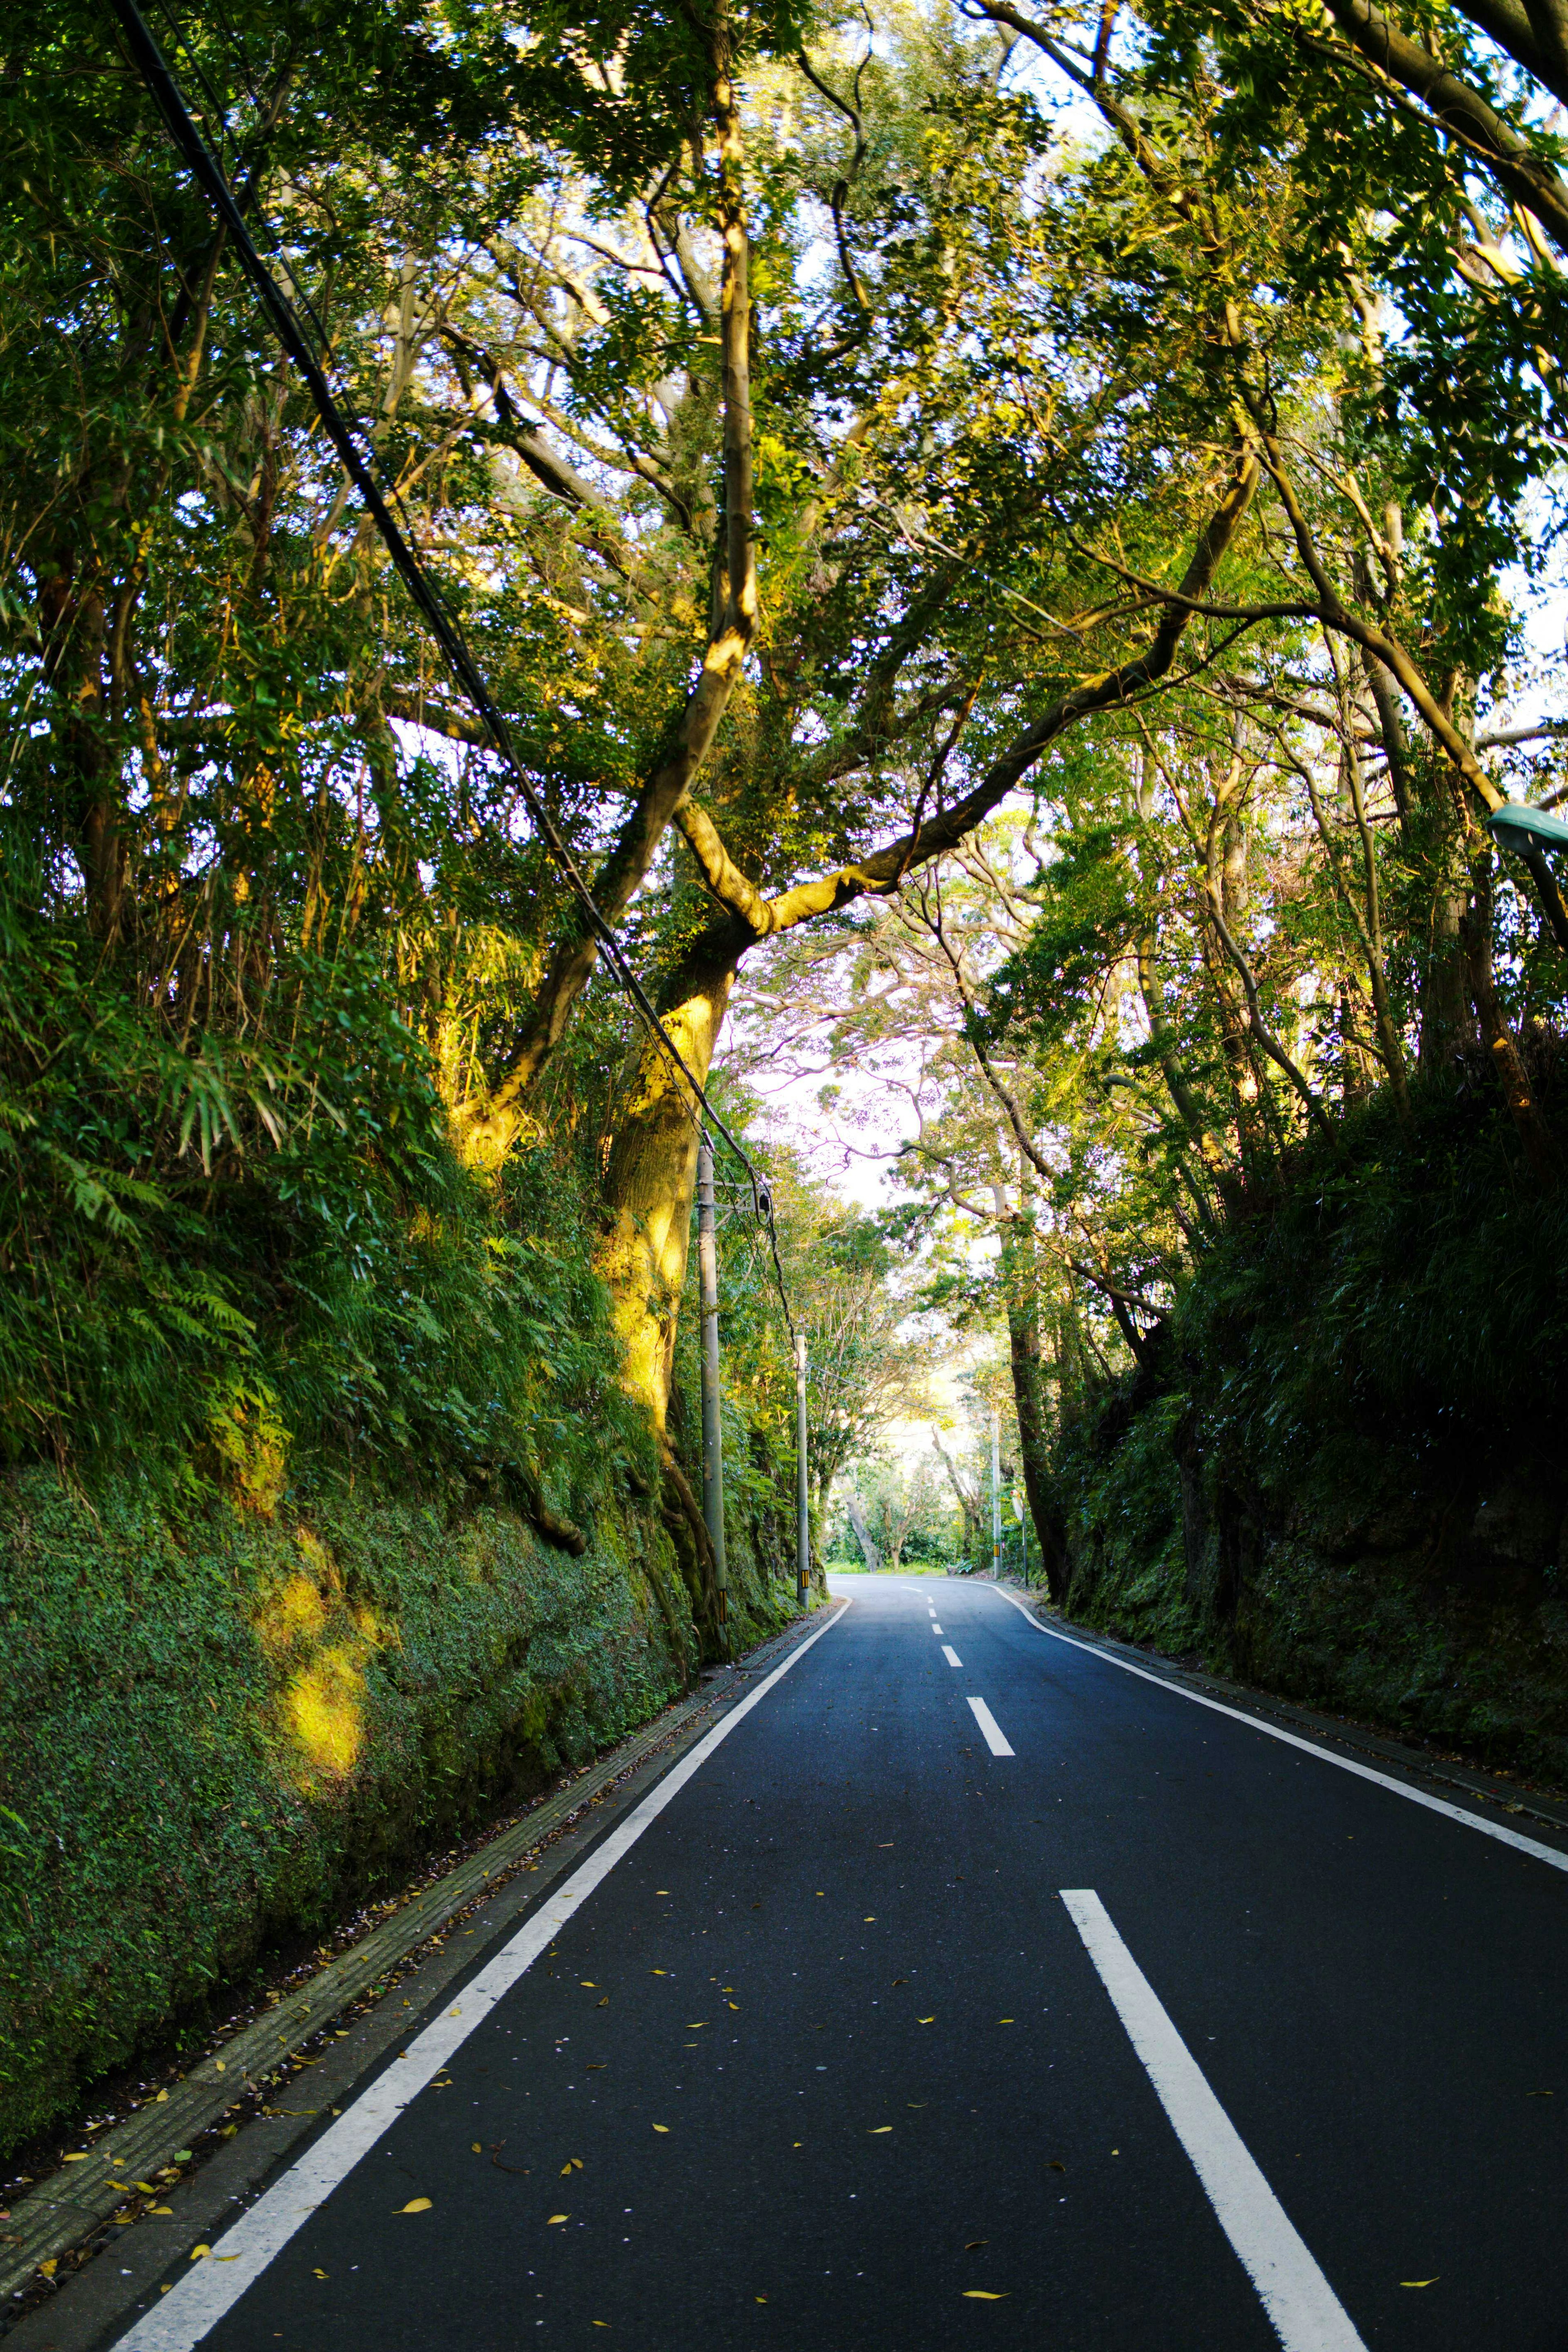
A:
(856, 1518)
(1021, 1292)
(652, 1172)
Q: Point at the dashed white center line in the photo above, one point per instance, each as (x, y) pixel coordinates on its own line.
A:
(1308, 2315)
(950, 1654)
(990, 1730)
(934, 1626)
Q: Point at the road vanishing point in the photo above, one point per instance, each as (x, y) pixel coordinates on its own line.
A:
(960, 1988)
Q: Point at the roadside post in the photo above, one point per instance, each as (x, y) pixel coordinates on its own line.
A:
(713, 1430)
(802, 1491)
(995, 1495)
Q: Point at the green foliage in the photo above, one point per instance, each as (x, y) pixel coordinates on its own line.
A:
(222, 1731)
(1341, 1476)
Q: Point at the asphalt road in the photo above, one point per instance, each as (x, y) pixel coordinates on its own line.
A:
(824, 2060)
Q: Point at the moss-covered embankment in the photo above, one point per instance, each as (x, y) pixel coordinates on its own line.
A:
(1343, 1474)
(219, 1728)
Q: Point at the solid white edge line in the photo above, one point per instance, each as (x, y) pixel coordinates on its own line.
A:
(212, 2286)
(991, 1731)
(1503, 1836)
(950, 1654)
(1305, 2314)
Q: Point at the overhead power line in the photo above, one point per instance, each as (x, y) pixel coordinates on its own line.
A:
(359, 464)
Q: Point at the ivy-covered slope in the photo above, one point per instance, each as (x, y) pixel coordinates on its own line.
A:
(1343, 1476)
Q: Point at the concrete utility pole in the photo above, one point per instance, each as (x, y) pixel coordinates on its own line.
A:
(802, 1490)
(712, 1432)
(995, 1494)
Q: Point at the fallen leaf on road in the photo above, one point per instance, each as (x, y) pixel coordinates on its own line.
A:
(877, 2129)
(603, 2003)
(50, 2267)
(147, 2189)
(869, 1920)
(1431, 2282)
(557, 2216)
(477, 2150)
(697, 2024)
(567, 2167)
(660, 1972)
(415, 2205)
(925, 2020)
(761, 2298)
(970, 2244)
(1004, 2021)
(198, 2252)
(320, 2274)
(161, 2208)
(589, 1986)
(1055, 2164)
(898, 1981)
(661, 2128)
(160, 2099)
(885, 1845)
(983, 2295)
(734, 2004)
(80, 2158)
(1538, 2095)
(182, 2155)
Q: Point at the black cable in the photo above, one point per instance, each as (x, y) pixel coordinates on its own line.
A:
(209, 175)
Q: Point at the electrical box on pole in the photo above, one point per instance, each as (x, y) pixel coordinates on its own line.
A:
(713, 1430)
(995, 1494)
(802, 1487)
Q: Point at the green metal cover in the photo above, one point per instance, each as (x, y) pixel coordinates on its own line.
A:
(1516, 826)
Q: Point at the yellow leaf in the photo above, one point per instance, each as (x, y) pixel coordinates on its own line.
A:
(661, 2128)
(869, 1920)
(602, 2002)
(877, 2129)
(477, 2150)
(1431, 2282)
(566, 2167)
(1004, 2021)
(160, 2099)
(146, 2187)
(50, 2267)
(320, 2274)
(660, 1972)
(415, 2205)
(982, 2294)
(160, 2208)
(80, 2158)
(198, 2252)
(220, 2067)
(734, 2004)
(577, 2163)
(557, 2216)
(925, 2020)
(589, 1986)
(697, 2024)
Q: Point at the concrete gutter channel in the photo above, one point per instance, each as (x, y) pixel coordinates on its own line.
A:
(1545, 1808)
(110, 2258)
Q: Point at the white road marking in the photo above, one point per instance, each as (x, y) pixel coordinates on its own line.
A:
(1515, 1838)
(1306, 2315)
(193, 2306)
(950, 1654)
(991, 1731)
(934, 1626)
